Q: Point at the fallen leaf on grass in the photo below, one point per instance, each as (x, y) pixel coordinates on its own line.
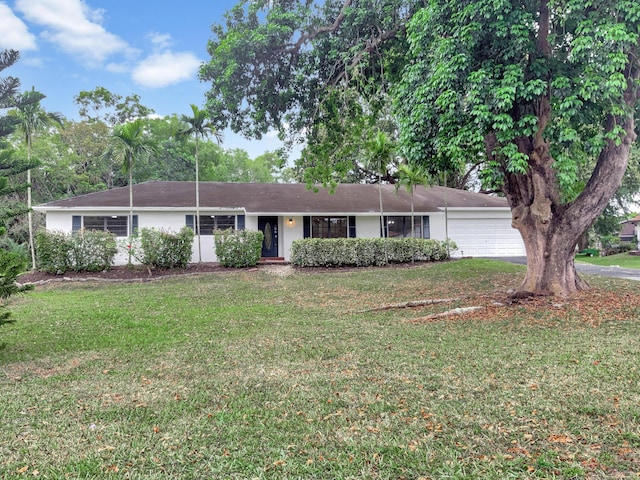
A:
(560, 438)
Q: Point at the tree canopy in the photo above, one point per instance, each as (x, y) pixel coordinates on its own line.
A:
(103, 105)
(541, 90)
(318, 71)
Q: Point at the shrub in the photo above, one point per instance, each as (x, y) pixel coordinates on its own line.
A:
(53, 251)
(366, 252)
(86, 250)
(621, 247)
(163, 249)
(11, 265)
(92, 250)
(238, 248)
(609, 241)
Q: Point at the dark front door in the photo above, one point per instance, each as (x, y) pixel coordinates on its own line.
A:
(269, 227)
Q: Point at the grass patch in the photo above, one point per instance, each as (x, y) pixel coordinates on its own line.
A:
(251, 375)
(622, 260)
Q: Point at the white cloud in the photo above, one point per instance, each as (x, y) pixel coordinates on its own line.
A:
(15, 34)
(160, 40)
(74, 27)
(164, 69)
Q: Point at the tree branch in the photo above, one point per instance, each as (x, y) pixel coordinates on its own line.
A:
(613, 159)
(371, 45)
(543, 105)
(307, 37)
(465, 177)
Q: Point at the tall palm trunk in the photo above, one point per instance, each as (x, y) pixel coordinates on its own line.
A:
(198, 204)
(413, 233)
(32, 248)
(130, 219)
(385, 233)
(30, 218)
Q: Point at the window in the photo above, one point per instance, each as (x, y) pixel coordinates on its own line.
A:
(426, 230)
(209, 223)
(400, 227)
(329, 227)
(114, 224)
(306, 226)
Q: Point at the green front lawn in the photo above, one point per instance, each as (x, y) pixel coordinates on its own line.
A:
(623, 260)
(254, 374)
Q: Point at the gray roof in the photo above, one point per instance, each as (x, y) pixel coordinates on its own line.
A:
(282, 198)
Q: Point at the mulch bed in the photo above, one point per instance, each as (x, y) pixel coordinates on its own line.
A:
(121, 273)
(140, 273)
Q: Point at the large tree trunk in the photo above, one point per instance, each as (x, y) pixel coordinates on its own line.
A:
(550, 257)
(549, 237)
(550, 228)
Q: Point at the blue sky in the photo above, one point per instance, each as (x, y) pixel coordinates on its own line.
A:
(151, 48)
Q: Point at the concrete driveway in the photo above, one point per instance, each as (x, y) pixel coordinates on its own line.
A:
(613, 271)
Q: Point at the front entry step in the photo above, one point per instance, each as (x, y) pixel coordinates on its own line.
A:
(272, 261)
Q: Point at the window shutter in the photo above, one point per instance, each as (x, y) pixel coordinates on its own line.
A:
(241, 222)
(352, 227)
(426, 232)
(306, 227)
(76, 223)
(134, 225)
(189, 222)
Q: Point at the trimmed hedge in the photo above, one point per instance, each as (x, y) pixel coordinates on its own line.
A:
(621, 247)
(238, 248)
(367, 252)
(86, 250)
(164, 249)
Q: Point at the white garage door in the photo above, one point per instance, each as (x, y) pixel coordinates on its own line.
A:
(486, 238)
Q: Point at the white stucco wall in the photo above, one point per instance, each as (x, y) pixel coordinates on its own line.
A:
(368, 227)
(166, 220)
(60, 221)
(478, 232)
(290, 232)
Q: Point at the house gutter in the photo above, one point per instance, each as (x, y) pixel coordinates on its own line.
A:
(137, 209)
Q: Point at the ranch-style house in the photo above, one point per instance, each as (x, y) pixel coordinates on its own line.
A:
(479, 224)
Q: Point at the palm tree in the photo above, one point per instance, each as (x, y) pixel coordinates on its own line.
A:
(31, 118)
(410, 176)
(380, 151)
(127, 143)
(199, 125)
